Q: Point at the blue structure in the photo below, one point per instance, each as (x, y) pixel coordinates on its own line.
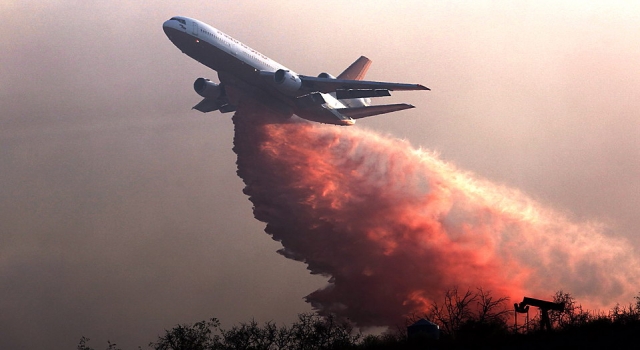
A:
(423, 329)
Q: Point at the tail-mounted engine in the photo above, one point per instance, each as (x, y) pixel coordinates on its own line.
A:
(348, 97)
(326, 76)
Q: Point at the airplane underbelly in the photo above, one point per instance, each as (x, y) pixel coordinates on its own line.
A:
(209, 55)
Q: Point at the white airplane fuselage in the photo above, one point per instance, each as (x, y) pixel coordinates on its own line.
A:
(240, 65)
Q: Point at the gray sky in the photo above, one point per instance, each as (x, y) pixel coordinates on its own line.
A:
(120, 210)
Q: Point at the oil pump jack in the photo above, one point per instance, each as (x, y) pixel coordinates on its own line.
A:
(544, 307)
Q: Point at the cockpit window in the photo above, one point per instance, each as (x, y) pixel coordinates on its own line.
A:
(179, 20)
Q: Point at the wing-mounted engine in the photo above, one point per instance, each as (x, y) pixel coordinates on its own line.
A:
(287, 82)
(214, 95)
(208, 89)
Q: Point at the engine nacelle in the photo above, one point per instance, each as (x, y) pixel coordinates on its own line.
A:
(287, 82)
(326, 76)
(207, 89)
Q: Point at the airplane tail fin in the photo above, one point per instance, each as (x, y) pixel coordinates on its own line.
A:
(357, 70)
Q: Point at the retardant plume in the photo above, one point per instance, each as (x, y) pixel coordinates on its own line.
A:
(393, 227)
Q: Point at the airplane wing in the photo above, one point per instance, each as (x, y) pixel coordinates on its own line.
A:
(210, 105)
(328, 85)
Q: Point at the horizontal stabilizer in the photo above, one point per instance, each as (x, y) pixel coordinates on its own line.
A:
(327, 85)
(361, 93)
(362, 112)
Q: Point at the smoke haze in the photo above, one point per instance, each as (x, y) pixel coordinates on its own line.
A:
(394, 227)
(121, 213)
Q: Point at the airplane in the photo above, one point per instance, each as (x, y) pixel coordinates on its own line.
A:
(245, 73)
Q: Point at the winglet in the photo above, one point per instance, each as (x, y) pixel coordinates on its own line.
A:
(357, 70)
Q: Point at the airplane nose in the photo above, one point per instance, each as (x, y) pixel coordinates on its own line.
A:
(173, 25)
(169, 27)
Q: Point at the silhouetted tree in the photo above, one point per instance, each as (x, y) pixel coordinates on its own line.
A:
(387, 340)
(310, 332)
(250, 336)
(624, 315)
(314, 332)
(491, 310)
(453, 311)
(82, 345)
(573, 315)
(473, 313)
(473, 319)
(199, 336)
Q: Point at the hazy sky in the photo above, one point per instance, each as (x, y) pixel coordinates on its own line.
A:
(120, 210)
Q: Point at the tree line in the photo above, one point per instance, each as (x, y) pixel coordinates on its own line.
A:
(473, 318)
